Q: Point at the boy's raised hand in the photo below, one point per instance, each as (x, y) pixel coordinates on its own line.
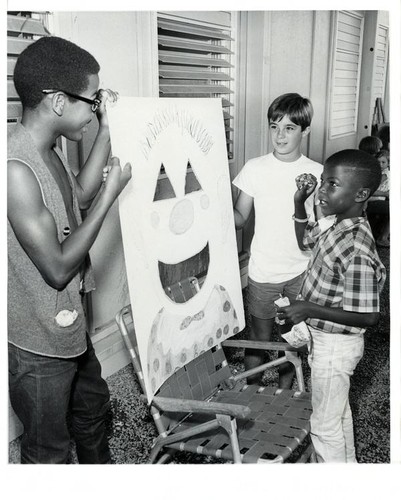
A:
(306, 184)
(106, 96)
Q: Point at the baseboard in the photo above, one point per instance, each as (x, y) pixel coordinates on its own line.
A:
(110, 349)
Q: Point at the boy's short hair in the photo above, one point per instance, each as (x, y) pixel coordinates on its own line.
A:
(52, 63)
(365, 167)
(298, 109)
(371, 144)
(385, 153)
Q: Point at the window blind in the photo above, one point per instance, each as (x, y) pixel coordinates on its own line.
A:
(196, 60)
(22, 29)
(380, 67)
(346, 74)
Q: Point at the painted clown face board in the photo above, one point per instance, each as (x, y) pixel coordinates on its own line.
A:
(172, 139)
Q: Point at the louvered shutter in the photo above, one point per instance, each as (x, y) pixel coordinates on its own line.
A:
(196, 60)
(380, 66)
(346, 74)
(22, 29)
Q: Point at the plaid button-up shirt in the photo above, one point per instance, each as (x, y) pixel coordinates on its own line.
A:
(344, 271)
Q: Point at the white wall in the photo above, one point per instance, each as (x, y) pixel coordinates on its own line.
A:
(120, 42)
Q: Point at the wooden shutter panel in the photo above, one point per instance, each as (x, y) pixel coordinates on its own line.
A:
(380, 67)
(22, 30)
(195, 60)
(346, 74)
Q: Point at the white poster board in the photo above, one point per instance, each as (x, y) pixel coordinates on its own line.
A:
(177, 134)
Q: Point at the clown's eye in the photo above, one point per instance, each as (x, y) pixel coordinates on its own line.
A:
(191, 181)
(164, 189)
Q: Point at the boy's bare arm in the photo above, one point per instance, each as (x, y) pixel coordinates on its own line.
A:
(304, 190)
(242, 209)
(35, 228)
(89, 178)
(301, 310)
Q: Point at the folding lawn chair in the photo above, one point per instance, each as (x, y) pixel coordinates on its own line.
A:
(203, 409)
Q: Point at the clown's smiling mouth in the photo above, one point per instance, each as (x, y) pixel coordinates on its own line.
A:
(173, 274)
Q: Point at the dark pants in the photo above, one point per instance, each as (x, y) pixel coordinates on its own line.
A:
(43, 390)
(378, 213)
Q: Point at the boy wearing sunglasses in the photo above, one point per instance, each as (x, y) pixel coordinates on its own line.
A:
(53, 369)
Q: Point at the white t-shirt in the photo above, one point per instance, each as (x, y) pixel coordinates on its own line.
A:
(275, 255)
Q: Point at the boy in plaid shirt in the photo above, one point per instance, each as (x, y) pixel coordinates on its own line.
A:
(339, 297)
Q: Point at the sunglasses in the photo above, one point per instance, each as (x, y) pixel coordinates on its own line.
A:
(95, 103)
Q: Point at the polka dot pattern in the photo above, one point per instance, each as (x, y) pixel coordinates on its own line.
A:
(175, 340)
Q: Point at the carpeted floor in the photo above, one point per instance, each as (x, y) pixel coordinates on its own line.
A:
(131, 429)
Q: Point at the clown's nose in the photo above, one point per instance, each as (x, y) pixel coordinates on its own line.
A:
(181, 217)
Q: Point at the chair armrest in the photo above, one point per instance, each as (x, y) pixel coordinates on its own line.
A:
(195, 406)
(265, 346)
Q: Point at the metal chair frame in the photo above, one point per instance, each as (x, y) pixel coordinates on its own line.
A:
(203, 408)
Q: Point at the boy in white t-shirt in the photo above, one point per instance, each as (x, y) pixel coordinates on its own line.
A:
(276, 263)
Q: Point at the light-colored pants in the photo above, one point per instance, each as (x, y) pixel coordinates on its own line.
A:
(333, 358)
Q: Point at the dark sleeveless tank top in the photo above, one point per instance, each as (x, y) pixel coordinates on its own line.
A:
(41, 319)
